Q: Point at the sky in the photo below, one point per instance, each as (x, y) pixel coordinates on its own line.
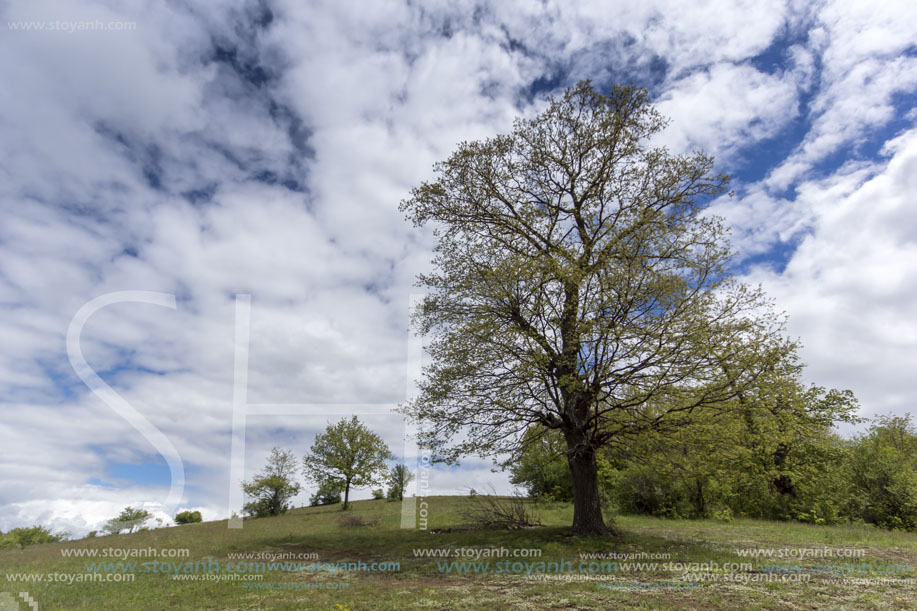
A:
(210, 149)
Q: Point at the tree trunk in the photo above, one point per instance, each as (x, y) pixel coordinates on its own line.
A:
(783, 483)
(587, 509)
(700, 503)
(346, 495)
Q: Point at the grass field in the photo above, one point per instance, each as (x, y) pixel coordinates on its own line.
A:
(301, 555)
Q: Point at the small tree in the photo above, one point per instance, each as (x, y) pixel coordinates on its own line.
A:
(188, 517)
(328, 493)
(398, 479)
(129, 519)
(272, 489)
(347, 453)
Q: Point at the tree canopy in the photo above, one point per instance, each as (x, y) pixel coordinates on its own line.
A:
(399, 477)
(347, 455)
(129, 519)
(272, 489)
(578, 284)
(188, 517)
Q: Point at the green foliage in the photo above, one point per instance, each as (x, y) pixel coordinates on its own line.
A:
(188, 517)
(23, 537)
(129, 519)
(272, 489)
(399, 477)
(771, 453)
(883, 471)
(378, 494)
(348, 454)
(328, 493)
(579, 286)
(541, 466)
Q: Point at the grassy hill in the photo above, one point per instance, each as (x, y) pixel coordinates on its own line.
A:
(323, 558)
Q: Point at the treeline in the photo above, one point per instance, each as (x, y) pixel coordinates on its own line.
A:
(777, 463)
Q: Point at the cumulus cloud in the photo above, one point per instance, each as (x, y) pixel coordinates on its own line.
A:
(863, 53)
(850, 285)
(725, 108)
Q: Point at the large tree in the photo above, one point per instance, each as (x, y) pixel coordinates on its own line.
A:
(577, 284)
(347, 455)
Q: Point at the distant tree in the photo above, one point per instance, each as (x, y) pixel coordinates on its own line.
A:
(328, 493)
(398, 479)
(347, 453)
(129, 519)
(23, 537)
(272, 489)
(188, 517)
(378, 494)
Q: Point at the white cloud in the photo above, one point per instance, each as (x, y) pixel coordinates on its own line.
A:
(726, 107)
(850, 286)
(865, 53)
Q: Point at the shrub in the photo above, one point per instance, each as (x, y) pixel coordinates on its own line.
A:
(378, 494)
(351, 521)
(328, 493)
(23, 537)
(492, 511)
(188, 517)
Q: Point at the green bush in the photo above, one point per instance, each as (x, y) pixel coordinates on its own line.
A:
(328, 493)
(541, 467)
(23, 537)
(883, 474)
(188, 517)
